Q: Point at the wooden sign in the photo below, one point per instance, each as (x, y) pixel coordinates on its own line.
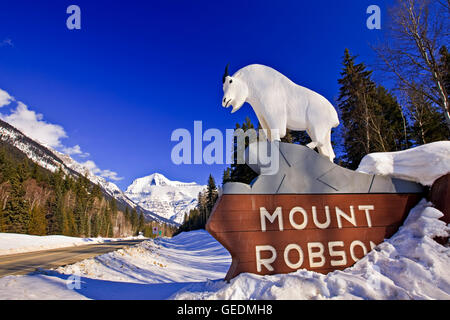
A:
(280, 233)
(440, 196)
(311, 214)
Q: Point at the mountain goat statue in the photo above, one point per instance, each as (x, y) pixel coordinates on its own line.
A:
(280, 104)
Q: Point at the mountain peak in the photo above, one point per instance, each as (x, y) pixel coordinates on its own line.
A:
(157, 179)
(167, 198)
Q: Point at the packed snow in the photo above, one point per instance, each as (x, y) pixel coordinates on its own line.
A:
(423, 164)
(153, 269)
(410, 265)
(192, 265)
(166, 198)
(11, 243)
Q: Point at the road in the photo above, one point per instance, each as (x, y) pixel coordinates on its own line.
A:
(23, 263)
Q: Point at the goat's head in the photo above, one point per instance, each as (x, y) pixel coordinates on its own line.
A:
(235, 91)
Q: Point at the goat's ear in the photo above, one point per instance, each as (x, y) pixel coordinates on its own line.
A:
(225, 74)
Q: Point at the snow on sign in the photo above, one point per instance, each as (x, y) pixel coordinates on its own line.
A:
(312, 214)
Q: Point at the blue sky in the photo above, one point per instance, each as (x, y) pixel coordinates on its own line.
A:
(137, 70)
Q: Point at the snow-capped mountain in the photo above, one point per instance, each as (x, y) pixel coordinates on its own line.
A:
(166, 198)
(32, 149)
(110, 188)
(52, 160)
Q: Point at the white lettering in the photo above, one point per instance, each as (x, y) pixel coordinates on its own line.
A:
(316, 255)
(300, 256)
(333, 253)
(305, 218)
(340, 213)
(352, 249)
(317, 223)
(277, 214)
(265, 262)
(367, 211)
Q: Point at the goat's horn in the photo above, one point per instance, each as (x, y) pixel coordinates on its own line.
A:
(225, 74)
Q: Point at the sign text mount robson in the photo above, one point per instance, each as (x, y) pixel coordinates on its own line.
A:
(311, 214)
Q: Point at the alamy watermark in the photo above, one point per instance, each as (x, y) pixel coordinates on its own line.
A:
(225, 150)
(73, 22)
(374, 20)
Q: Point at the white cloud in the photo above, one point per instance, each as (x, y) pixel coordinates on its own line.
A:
(5, 98)
(107, 174)
(6, 43)
(75, 150)
(33, 125)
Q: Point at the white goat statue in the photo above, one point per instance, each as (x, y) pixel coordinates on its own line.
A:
(281, 104)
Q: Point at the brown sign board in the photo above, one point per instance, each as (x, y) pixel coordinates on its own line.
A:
(280, 233)
(440, 196)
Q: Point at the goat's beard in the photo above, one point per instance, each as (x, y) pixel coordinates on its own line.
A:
(237, 106)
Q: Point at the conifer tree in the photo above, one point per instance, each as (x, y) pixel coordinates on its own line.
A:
(242, 172)
(16, 214)
(38, 223)
(134, 219)
(427, 121)
(372, 119)
(355, 92)
(141, 223)
(127, 214)
(226, 177)
(211, 196)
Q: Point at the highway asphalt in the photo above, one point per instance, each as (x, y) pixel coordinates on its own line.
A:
(23, 263)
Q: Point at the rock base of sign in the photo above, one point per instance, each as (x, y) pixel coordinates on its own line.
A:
(309, 214)
(304, 171)
(440, 196)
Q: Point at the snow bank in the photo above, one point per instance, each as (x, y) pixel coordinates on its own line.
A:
(153, 269)
(410, 265)
(188, 257)
(423, 164)
(11, 243)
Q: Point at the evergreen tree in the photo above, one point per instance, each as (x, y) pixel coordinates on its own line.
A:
(211, 196)
(427, 121)
(95, 225)
(299, 137)
(108, 223)
(113, 205)
(37, 201)
(141, 223)
(372, 119)
(242, 172)
(134, 220)
(226, 177)
(38, 223)
(16, 214)
(444, 66)
(355, 92)
(97, 191)
(127, 214)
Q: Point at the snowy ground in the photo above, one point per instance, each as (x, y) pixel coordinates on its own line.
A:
(410, 265)
(11, 243)
(153, 269)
